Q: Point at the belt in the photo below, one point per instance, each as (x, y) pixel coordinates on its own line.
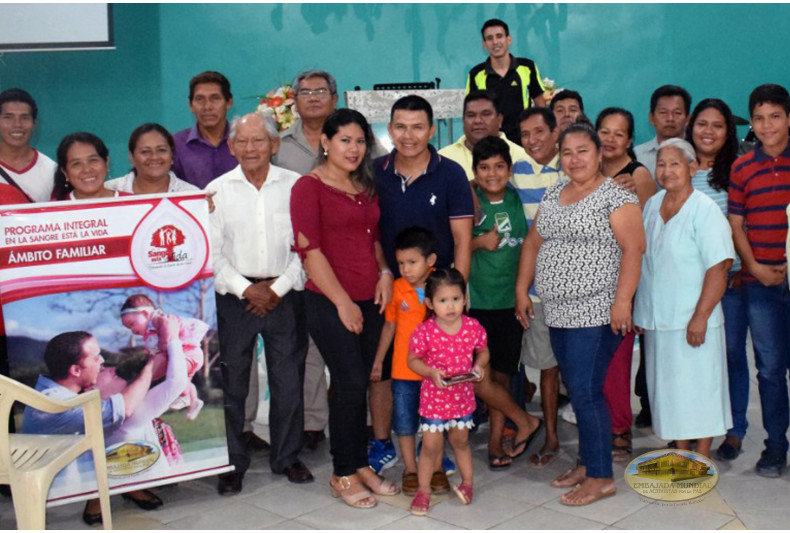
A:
(258, 280)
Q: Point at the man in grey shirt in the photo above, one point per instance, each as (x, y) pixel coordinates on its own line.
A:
(669, 110)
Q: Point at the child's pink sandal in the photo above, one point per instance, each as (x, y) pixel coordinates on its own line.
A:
(465, 493)
(420, 504)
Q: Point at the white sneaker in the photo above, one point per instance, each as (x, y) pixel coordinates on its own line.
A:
(567, 413)
(194, 409)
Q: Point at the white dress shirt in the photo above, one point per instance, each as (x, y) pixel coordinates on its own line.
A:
(251, 232)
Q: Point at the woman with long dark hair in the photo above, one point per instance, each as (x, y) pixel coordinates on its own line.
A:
(335, 217)
(711, 132)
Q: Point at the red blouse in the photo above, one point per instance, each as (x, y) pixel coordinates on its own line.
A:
(345, 229)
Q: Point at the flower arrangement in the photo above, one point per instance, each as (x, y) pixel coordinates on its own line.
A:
(550, 89)
(279, 104)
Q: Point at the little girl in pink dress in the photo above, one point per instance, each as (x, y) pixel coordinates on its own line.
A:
(446, 344)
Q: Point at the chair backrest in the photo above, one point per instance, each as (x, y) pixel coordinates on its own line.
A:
(8, 395)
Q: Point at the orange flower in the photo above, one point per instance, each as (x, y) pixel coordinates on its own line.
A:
(275, 101)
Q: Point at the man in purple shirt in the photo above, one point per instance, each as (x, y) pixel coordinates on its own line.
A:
(201, 152)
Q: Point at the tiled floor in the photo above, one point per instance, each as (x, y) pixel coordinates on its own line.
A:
(517, 498)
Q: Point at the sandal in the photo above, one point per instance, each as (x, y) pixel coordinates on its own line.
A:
(352, 491)
(587, 499)
(420, 504)
(384, 487)
(570, 478)
(499, 462)
(526, 442)
(465, 493)
(542, 459)
(409, 483)
(621, 453)
(439, 483)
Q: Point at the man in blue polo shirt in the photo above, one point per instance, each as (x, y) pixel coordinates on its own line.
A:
(416, 187)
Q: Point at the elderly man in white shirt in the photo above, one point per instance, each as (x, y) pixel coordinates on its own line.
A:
(258, 279)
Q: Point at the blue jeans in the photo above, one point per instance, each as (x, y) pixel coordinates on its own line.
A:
(736, 326)
(583, 355)
(405, 406)
(768, 309)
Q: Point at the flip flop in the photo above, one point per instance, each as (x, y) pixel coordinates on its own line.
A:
(499, 464)
(543, 459)
(526, 442)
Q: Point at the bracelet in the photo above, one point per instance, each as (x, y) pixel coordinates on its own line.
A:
(386, 271)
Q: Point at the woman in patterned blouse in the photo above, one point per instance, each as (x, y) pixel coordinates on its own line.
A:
(585, 261)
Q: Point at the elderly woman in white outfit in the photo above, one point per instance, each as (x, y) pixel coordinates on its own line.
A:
(684, 276)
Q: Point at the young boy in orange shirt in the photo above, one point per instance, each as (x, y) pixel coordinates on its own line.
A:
(414, 252)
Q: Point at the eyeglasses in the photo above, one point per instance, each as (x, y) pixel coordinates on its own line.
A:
(319, 93)
(244, 143)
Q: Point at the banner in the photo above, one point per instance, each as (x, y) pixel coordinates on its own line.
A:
(118, 295)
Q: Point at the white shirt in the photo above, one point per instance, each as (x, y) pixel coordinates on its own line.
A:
(125, 184)
(37, 180)
(251, 232)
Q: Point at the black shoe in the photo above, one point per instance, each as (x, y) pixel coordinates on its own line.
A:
(728, 451)
(229, 484)
(643, 419)
(312, 439)
(297, 473)
(90, 518)
(149, 503)
(5, 490)
(254, 442)
(771, 464)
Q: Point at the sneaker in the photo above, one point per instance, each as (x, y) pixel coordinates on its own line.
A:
(771, 464)
(382, 455)
(448, 466)
(568, 414)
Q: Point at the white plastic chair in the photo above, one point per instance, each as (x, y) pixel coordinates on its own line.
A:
(29, 463)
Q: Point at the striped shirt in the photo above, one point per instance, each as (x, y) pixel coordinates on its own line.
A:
(530, 180)
(700, 182)
(760, 191)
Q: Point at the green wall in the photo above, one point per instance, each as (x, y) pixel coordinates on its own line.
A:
(613, 54)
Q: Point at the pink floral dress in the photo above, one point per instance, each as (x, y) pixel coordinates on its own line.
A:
(455, 355)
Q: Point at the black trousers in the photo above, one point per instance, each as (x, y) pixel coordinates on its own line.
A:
(349, 358)
(282, 330)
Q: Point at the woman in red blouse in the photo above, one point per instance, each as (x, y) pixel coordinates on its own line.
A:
(335, 217)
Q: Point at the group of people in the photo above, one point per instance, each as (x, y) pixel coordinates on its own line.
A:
(423, 279)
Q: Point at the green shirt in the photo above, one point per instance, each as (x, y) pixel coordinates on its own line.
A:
(492, 279)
